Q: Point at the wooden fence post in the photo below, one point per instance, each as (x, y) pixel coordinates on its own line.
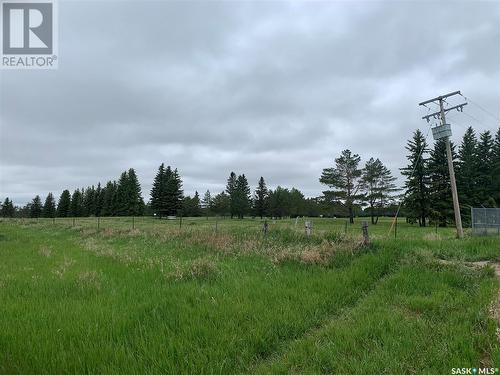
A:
(366, 239)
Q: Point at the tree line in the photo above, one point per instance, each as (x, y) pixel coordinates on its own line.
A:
(427, 185)
(352, 189)
(116, 198)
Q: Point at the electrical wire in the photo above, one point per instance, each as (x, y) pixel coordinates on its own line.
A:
(479, 121)
(482, 108)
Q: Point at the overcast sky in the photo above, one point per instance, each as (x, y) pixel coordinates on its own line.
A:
(275, 89)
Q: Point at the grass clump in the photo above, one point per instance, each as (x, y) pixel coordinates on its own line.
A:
(199, 269)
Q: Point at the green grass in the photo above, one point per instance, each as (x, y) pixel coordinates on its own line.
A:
(163, 299)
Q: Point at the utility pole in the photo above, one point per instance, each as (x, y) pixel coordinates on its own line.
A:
(444, 131)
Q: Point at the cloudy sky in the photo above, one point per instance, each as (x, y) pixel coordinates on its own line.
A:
(276, 89)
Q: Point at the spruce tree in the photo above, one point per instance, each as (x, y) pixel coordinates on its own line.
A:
(98, 200)
(196, 204)
(134, 197)
(231, 190)
(484, 167)
(64, 204)
(206, 203)
(241, 197)
(158, 191)
(76, 206)
(441, 204)
(467, 173)
(89, 201)
(122, 195)
(8, 209)
(344, 178)
(49, 207)
(109, 199)
(174, 194)
(191, 206)
(496, 169)
(416, 200)
(36, 207)
(260, 198)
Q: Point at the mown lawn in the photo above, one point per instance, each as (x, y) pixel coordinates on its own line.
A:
(161, 298)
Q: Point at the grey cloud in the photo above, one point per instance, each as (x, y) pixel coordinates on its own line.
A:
(275, 89)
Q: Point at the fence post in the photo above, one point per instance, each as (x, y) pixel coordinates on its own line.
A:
(265, 228)
(308, 228)
(364, 227)
(180, 222)
(98, 222)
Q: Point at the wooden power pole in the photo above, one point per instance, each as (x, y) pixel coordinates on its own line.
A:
(444, 131)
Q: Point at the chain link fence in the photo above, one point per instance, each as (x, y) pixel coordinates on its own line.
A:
(485, 221)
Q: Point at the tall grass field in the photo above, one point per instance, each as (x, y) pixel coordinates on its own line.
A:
(219, 296)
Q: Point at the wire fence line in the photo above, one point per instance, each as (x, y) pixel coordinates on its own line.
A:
(485, 221)
(402, 229)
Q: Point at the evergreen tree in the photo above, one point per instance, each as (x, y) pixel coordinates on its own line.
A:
(49, 208)
(296, 203)
(122, 193)
(76, 206)
(279, 202)
(260, 198)
(345, 179)
(174, 194)
(484, 167)
(206, 203)
(36, 207)
(98, 200)
(378, 185)
(467, 173)
(231, 192)
(241, 197)
(496, 169)
(158, 192)
(222, 204)
(89, 201)
(135, 205)
(416, 201)
(166, 195)
(109, 199)
(8, 209)
(441, 204)
(191, 206)
(64, 204)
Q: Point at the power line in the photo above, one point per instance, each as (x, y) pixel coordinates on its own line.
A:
(479, 121)
(482, 108)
